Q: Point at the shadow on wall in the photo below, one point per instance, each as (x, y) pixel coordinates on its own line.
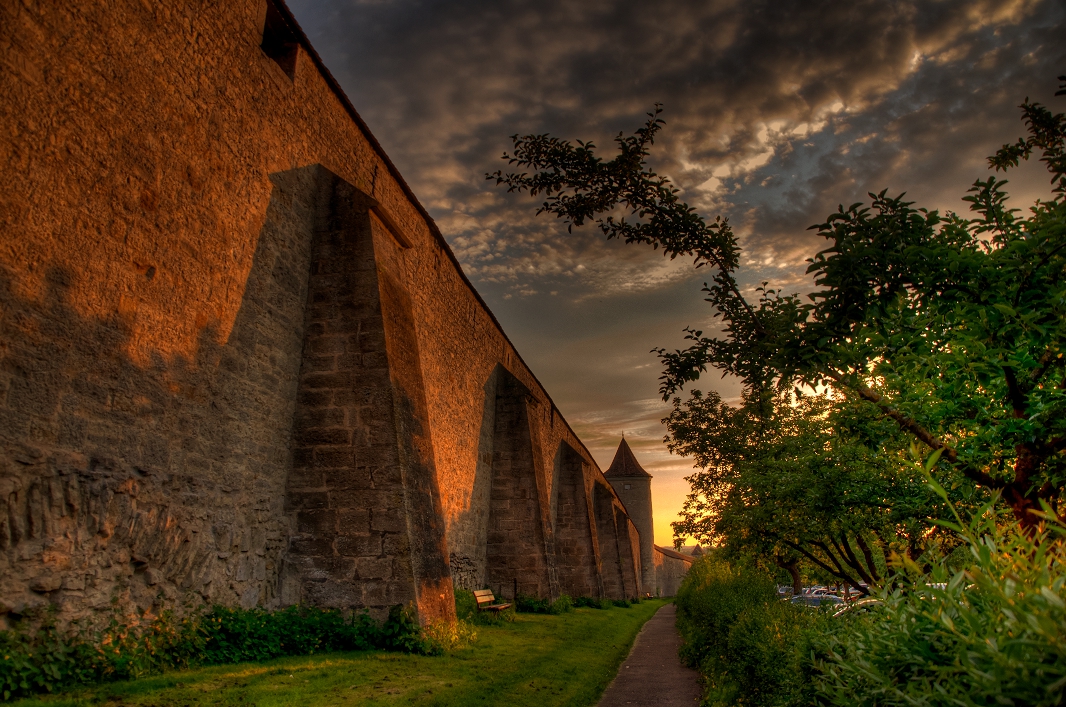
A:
(518, 536)
(363, 491)
(572, 518)
(158, 483)
(468, 534)
(520, 552)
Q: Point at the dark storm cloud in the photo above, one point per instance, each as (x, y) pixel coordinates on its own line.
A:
(849, 94)
(776, 112)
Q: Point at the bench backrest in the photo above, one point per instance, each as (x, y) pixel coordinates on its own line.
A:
(484, 596)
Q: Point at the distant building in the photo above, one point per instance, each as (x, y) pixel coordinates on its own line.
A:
(661, 569)
(670, 568)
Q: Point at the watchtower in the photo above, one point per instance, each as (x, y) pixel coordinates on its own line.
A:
(633, 486)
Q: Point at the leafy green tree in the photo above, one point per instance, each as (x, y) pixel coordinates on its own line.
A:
(951, 326)
(813, 479)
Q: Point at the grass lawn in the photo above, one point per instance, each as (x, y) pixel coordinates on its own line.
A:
(538, 660)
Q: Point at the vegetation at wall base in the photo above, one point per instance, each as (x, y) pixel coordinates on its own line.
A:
(592, 603)
(40, 656)
(538, 660)
(533, 605)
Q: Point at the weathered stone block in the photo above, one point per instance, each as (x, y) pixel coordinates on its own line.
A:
(316, 522)
(322, 417)
(334, 457)
(311, 546)
(47, 582)
(303, 500)
(325, 436)
(359, 545)
(374, 567)
(388, 520)
(354, 520)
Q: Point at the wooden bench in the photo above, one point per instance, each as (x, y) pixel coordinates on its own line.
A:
(485, 601)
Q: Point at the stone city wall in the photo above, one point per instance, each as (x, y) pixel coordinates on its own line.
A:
(670, 569)
(238, 361)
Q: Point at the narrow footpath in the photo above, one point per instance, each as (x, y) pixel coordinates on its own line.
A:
(652, 674)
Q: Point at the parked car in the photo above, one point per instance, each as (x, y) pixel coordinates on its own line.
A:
(816, 599)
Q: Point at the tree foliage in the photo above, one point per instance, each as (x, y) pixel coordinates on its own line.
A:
(952, 326)
(815, 479)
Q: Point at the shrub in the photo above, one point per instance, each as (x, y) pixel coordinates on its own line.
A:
(561, 605)
(44, 660)
(593, 603)
(466, 610)
(401, 632)
(748, 644)
(624, 603)
(991, 632)
(465, 605)
(239, 635)
(531, 605)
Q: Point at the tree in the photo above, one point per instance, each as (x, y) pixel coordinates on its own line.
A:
(953, 327)
(814, 479)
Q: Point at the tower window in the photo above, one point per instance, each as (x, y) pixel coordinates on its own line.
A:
(279, 40)
(628, 486)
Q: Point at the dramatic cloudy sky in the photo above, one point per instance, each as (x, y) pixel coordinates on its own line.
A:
(776, 112)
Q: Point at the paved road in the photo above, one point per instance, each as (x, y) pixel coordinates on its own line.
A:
(652, 675)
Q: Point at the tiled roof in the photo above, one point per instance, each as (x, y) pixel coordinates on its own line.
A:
(625, 464)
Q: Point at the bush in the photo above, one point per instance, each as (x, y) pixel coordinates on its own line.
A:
(748, 644)
(38, 656)
(465, 605)
(991, 632)
(445, 637)
(531, 605)
(240, 635)
(562, 605)
(402, 632)
(592, 603)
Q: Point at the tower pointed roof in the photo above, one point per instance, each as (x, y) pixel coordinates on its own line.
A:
(625, 464)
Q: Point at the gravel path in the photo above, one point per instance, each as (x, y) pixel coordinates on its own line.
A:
(652, 674)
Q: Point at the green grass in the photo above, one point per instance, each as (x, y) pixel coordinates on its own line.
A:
(537, 660)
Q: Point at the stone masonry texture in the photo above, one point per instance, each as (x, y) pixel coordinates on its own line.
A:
(238, 362)
(670, 569)
(661, 569)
